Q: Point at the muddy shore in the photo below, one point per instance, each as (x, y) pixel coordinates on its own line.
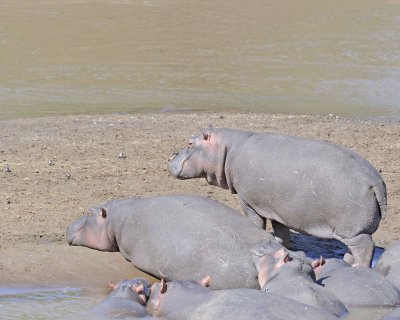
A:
(60, 166)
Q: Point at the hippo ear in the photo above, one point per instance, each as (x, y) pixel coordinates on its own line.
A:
(139, 288)
(282, 255)
(207, 133)
(103, 213)
(286, 258)
(112, 285)
(318, 263)
(205, 282)
(163, 286)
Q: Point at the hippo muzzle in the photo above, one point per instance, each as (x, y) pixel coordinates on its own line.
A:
(73, 230)
(175, 165)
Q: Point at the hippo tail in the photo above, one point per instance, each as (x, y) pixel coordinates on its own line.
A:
(381, 198)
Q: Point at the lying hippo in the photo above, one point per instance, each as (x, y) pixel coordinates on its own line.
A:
(188, 300)
(285, 277)
(310, 186)
(175, 237)
(357, 286)
(128, 299)
(388, 263)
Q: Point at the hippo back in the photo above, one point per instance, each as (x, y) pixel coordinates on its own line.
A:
(187, 237)
(304, 184)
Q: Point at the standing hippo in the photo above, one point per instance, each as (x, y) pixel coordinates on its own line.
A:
(388, 263)
(285, 277)
(188, 300)
(127, 300)
(357, 286)
(175, 237)
(307, 185)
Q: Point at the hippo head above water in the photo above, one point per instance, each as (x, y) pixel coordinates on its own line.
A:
(269, 257)
(137, 290)
(184, 291)
(91, 230)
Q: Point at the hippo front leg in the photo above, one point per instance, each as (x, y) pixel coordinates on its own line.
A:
(253, 216)
(281, 233)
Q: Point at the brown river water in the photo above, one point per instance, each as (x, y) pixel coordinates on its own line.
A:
(76, 303)
(105, 56)
(108, 56)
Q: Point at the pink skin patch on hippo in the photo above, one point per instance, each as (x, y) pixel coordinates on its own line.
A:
(212, 161)
(156, 296)
(93, 234)
(205, 282)
(317, 265)
(269, 264)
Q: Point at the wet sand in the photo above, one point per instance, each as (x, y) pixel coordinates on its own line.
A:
(38, 200)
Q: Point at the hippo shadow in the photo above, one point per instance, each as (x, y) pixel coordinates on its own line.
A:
(315, 247)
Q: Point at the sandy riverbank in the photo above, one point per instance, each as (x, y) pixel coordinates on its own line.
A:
(38, 200)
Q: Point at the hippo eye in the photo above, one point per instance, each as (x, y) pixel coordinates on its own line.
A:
(190, 144)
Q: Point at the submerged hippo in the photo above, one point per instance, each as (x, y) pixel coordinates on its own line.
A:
(357, 286)
(175, 237)
(310, 186)
(285, 277)
(188, 300)
(127, 300)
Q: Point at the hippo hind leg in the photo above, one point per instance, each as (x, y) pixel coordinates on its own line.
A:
(361, 250)
(253, 216)
(282, 233)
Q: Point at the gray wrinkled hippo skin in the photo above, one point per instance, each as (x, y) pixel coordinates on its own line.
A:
(127, 300)
(393, 315)
(389, 263)
(357, 286)
(311, 186)
(187, 300)
(285, 277)
(175, 237)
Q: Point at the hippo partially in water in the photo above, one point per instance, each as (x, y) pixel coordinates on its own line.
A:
(311, 186)
(189, 300)
(279, 274)
(127, 300)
